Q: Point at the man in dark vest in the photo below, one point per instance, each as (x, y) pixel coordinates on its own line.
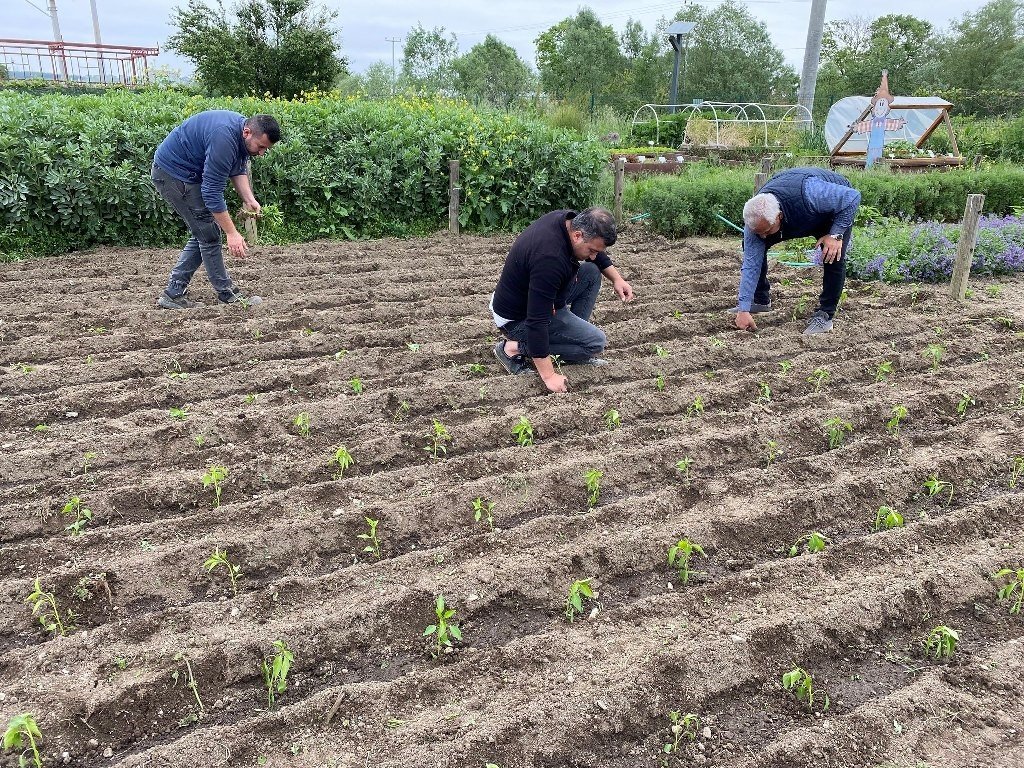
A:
(799, 202)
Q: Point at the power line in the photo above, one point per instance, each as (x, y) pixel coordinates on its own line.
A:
(45, 13)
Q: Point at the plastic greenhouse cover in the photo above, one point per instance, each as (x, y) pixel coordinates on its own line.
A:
(848, 110)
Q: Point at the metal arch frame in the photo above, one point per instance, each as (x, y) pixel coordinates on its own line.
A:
(728, 108)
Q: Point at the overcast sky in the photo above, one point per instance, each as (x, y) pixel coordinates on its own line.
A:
(364, 27)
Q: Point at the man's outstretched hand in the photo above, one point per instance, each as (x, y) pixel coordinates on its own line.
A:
(745, 321)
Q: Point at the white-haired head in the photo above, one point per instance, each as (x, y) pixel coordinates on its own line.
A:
(761, 208)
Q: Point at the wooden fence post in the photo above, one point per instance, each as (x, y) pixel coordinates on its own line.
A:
(249, 222)
(766, 164)
(620, 181)
(760, 179)
(453, 196)
(965, 247)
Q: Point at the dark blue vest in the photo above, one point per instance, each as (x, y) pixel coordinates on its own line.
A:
(797, 219)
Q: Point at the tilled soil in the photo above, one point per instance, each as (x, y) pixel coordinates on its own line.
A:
(91, 370)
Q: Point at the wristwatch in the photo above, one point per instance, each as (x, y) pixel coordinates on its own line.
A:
(837, 238)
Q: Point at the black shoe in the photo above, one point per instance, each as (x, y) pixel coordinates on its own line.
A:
(166, 301)
(235, 297)
(511, 363)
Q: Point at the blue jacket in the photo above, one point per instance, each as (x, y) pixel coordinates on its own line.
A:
(206, 149)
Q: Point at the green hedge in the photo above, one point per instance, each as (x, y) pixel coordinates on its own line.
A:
(74, 170)
(1001, 140)
(685, 205)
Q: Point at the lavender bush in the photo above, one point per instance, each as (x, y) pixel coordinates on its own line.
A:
(901, 252)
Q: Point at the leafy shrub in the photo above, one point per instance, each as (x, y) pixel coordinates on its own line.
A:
(74, 170)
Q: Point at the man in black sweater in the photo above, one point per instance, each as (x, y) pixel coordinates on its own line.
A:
(545, 295)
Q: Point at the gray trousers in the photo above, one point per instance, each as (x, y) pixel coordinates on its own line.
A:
(204, 246)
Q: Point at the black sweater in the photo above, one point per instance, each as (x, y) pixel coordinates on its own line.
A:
(538, 272)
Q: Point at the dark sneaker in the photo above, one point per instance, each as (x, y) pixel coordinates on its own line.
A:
(166, 301)
(820, 323)
(236, 297)
(511, 363)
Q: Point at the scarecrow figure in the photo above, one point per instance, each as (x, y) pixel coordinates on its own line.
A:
(880, 122)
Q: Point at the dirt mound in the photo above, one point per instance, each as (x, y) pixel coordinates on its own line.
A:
(125, 407)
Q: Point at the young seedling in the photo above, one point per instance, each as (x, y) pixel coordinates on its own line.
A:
(23, 733)
(811, 543)
(696, 408)
(1014, 586)
(680, 557)
(659, 382)
(75, 508)
(771, 452)
(941, 642)
(764, 392)
(1020, 396)
(444, 630)
(680, 726)
(87, 459)
(251, 398)
(994, 291)
(799, 681)
(819, 377)
(214, 478)
(439, 438)
(612, 419)
(592, 477)
(934, 486)
(899, 413)
(175, 372)
(179, 413)
(557, 361)
(190, 680)
(660, 351)
(836, 430)
(301, 423)
(785, 366)
(683, 465)
(523, 431)
(341, 459)
(578, 592)
(477, 369)
(1016, 470)
(275, 673)
(356, 386)
(886, 518)
(220, 559)
(413, 346)
(800, 307)
(401, 412)
(883, 371)
(966, 401)
(44, 608)
(484, 510)
(371, 536)
(933, 353)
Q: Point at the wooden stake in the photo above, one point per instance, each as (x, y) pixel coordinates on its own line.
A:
(760, 179)
(965, 248)
(620, 182)
(249, 222)
(453, 196)
(766, 164)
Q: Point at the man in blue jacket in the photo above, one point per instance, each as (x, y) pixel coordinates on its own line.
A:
(190, 170)
(547, 291)
(799, 202)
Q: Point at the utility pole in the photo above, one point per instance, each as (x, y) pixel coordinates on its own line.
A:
(99, 41)
(57, 38)
(393, 40)
(812, 55)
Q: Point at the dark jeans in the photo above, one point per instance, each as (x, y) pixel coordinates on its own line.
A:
(204, 246)
(571, 335)
(832, 280)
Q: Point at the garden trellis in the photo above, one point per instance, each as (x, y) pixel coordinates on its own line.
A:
(725, 113)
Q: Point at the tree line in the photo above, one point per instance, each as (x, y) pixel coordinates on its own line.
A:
(285, 47)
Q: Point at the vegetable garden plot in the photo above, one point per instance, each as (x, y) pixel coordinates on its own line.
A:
(695, 436)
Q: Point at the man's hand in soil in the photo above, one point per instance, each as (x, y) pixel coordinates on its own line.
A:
(623, 289)
(554, 381)
(745, 321)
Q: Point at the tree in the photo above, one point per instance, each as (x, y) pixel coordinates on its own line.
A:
(645, 79)
(427, 60)
(493, 71)
(281, 47)
(976, 45)
(731, 57)
(579, 57)
(859, 51)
